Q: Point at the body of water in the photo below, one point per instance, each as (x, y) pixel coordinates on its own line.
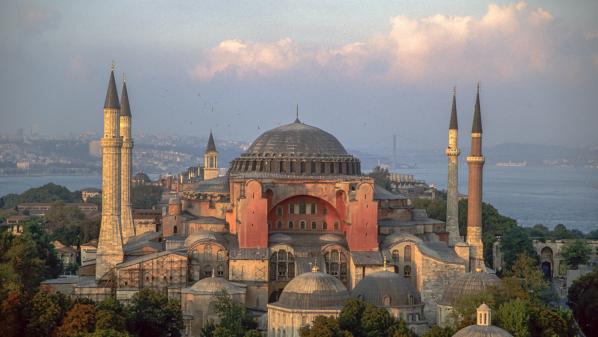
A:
(531, 195)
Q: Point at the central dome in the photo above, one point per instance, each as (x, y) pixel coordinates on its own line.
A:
(297, 149)
(297, 139)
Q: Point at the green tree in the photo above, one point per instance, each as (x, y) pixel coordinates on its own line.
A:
(324, 326)
(576, 252)
(154, 315)
(514, 316)
(350, 316)
(234, 319)
(539, 231)
(437, 331)
(45, 312)
(435, 208)
(525, 281)
(381, 177)
(111, 315)
(145, 196)
(375, 321)
(253, 333)
(105, 333)
(547, 323)
(515, 242)
(583, 299)
(81, 318)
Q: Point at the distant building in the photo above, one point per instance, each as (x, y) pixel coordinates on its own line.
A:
(16, 224)
(147, 220)
(88, 252)
(23, 165)
(67, 254)
(90, 192)
(41, 208)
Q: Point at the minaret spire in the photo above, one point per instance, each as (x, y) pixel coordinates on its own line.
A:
(452, 199)
(126, 173)
(475, 162)
(110, 244)
(297, 115)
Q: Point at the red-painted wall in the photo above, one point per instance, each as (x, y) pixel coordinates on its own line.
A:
(253, 215)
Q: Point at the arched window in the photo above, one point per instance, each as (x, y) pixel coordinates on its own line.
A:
(336, 265)
(282, 266)
(207, 270)
(175, 229)
(395, 255)
(386, 300)
(407, 271)
(279, 224)
(314, 226)
(290, 224)
(407, 255)
(324, 225)
(220, 270)
(302, 224)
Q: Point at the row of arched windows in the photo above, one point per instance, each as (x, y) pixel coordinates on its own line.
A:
(282, 265)
(314, 225)
(297, 166)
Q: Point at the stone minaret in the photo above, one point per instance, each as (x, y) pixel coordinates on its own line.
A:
(110, 245)
(128, 228)
(452, 197)
(475, 162)
(210, 160)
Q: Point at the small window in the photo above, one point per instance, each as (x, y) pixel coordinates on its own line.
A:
(324, 225)
(386, 300)
(175, 230)
(302, 167)
(313, 167)
(279, 224)
(291, 209)
(302, 224)
(314, 226)
(322, 168)
(314, 208)
(395, 255)
(407, 271)
(290, 224)
(302, 208)
(279, 211)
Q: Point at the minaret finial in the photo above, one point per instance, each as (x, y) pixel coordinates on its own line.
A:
(478, 87)
(113, 67)
(297, 115)
(385, 263)
(454, 90)
(125, 78)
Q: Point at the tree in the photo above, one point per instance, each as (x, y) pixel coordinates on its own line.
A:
(381, 177)
(547, 322)
(350, 316)
(514, 316)
(375, 321)
(253, 333)
(437, 331)
(234, 320)
(525, 281)
(106, 333)
(47, 193)
(583, 299)
(145, 196)
(154, 315)
(81, 318)
(111, 315)
(539, 231)
(324, 326)
(45, 312)
(466, 307)
(576, 252)
(11, 318)
(515, 242)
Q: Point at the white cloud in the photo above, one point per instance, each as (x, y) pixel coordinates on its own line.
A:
(506, 43)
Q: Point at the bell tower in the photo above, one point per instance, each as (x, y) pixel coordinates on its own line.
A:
(210, 160)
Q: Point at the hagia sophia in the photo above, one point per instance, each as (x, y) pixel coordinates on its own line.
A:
(292, 230)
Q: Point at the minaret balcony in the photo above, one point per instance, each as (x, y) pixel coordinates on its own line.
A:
(452, 151)
(476, 159)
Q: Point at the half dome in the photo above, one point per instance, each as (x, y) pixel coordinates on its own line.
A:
(386, 289)
(468, 284)
(213, 285)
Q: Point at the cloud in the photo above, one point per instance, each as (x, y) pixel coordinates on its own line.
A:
(35, 19)
(507, 43)
(242, 59)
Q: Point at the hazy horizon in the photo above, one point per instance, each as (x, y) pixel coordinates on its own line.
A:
(362, 73)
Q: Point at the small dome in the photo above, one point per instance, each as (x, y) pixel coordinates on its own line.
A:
(468, 284)
(199, 236)
(141, 177)
(482, 331)
(386, 289)
(313, 290)
(212, 285)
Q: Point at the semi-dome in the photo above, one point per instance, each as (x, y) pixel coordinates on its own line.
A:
(313, 290)
(212, 285)
(386, 289)
(199, 236)
(468, 284)
(297, 149)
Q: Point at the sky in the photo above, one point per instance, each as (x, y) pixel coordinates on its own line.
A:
(362, 71)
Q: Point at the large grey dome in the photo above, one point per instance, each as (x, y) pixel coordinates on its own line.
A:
(468, 284)
(386, 289)
(313, 290)
(297, 149)
(296, 139)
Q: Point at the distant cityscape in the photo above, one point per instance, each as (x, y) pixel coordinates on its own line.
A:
(30, 153)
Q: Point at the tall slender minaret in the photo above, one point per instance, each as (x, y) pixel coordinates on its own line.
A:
(128, 228)
(210, 160)
(452, 197)
(110, 245)
(475, 162)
